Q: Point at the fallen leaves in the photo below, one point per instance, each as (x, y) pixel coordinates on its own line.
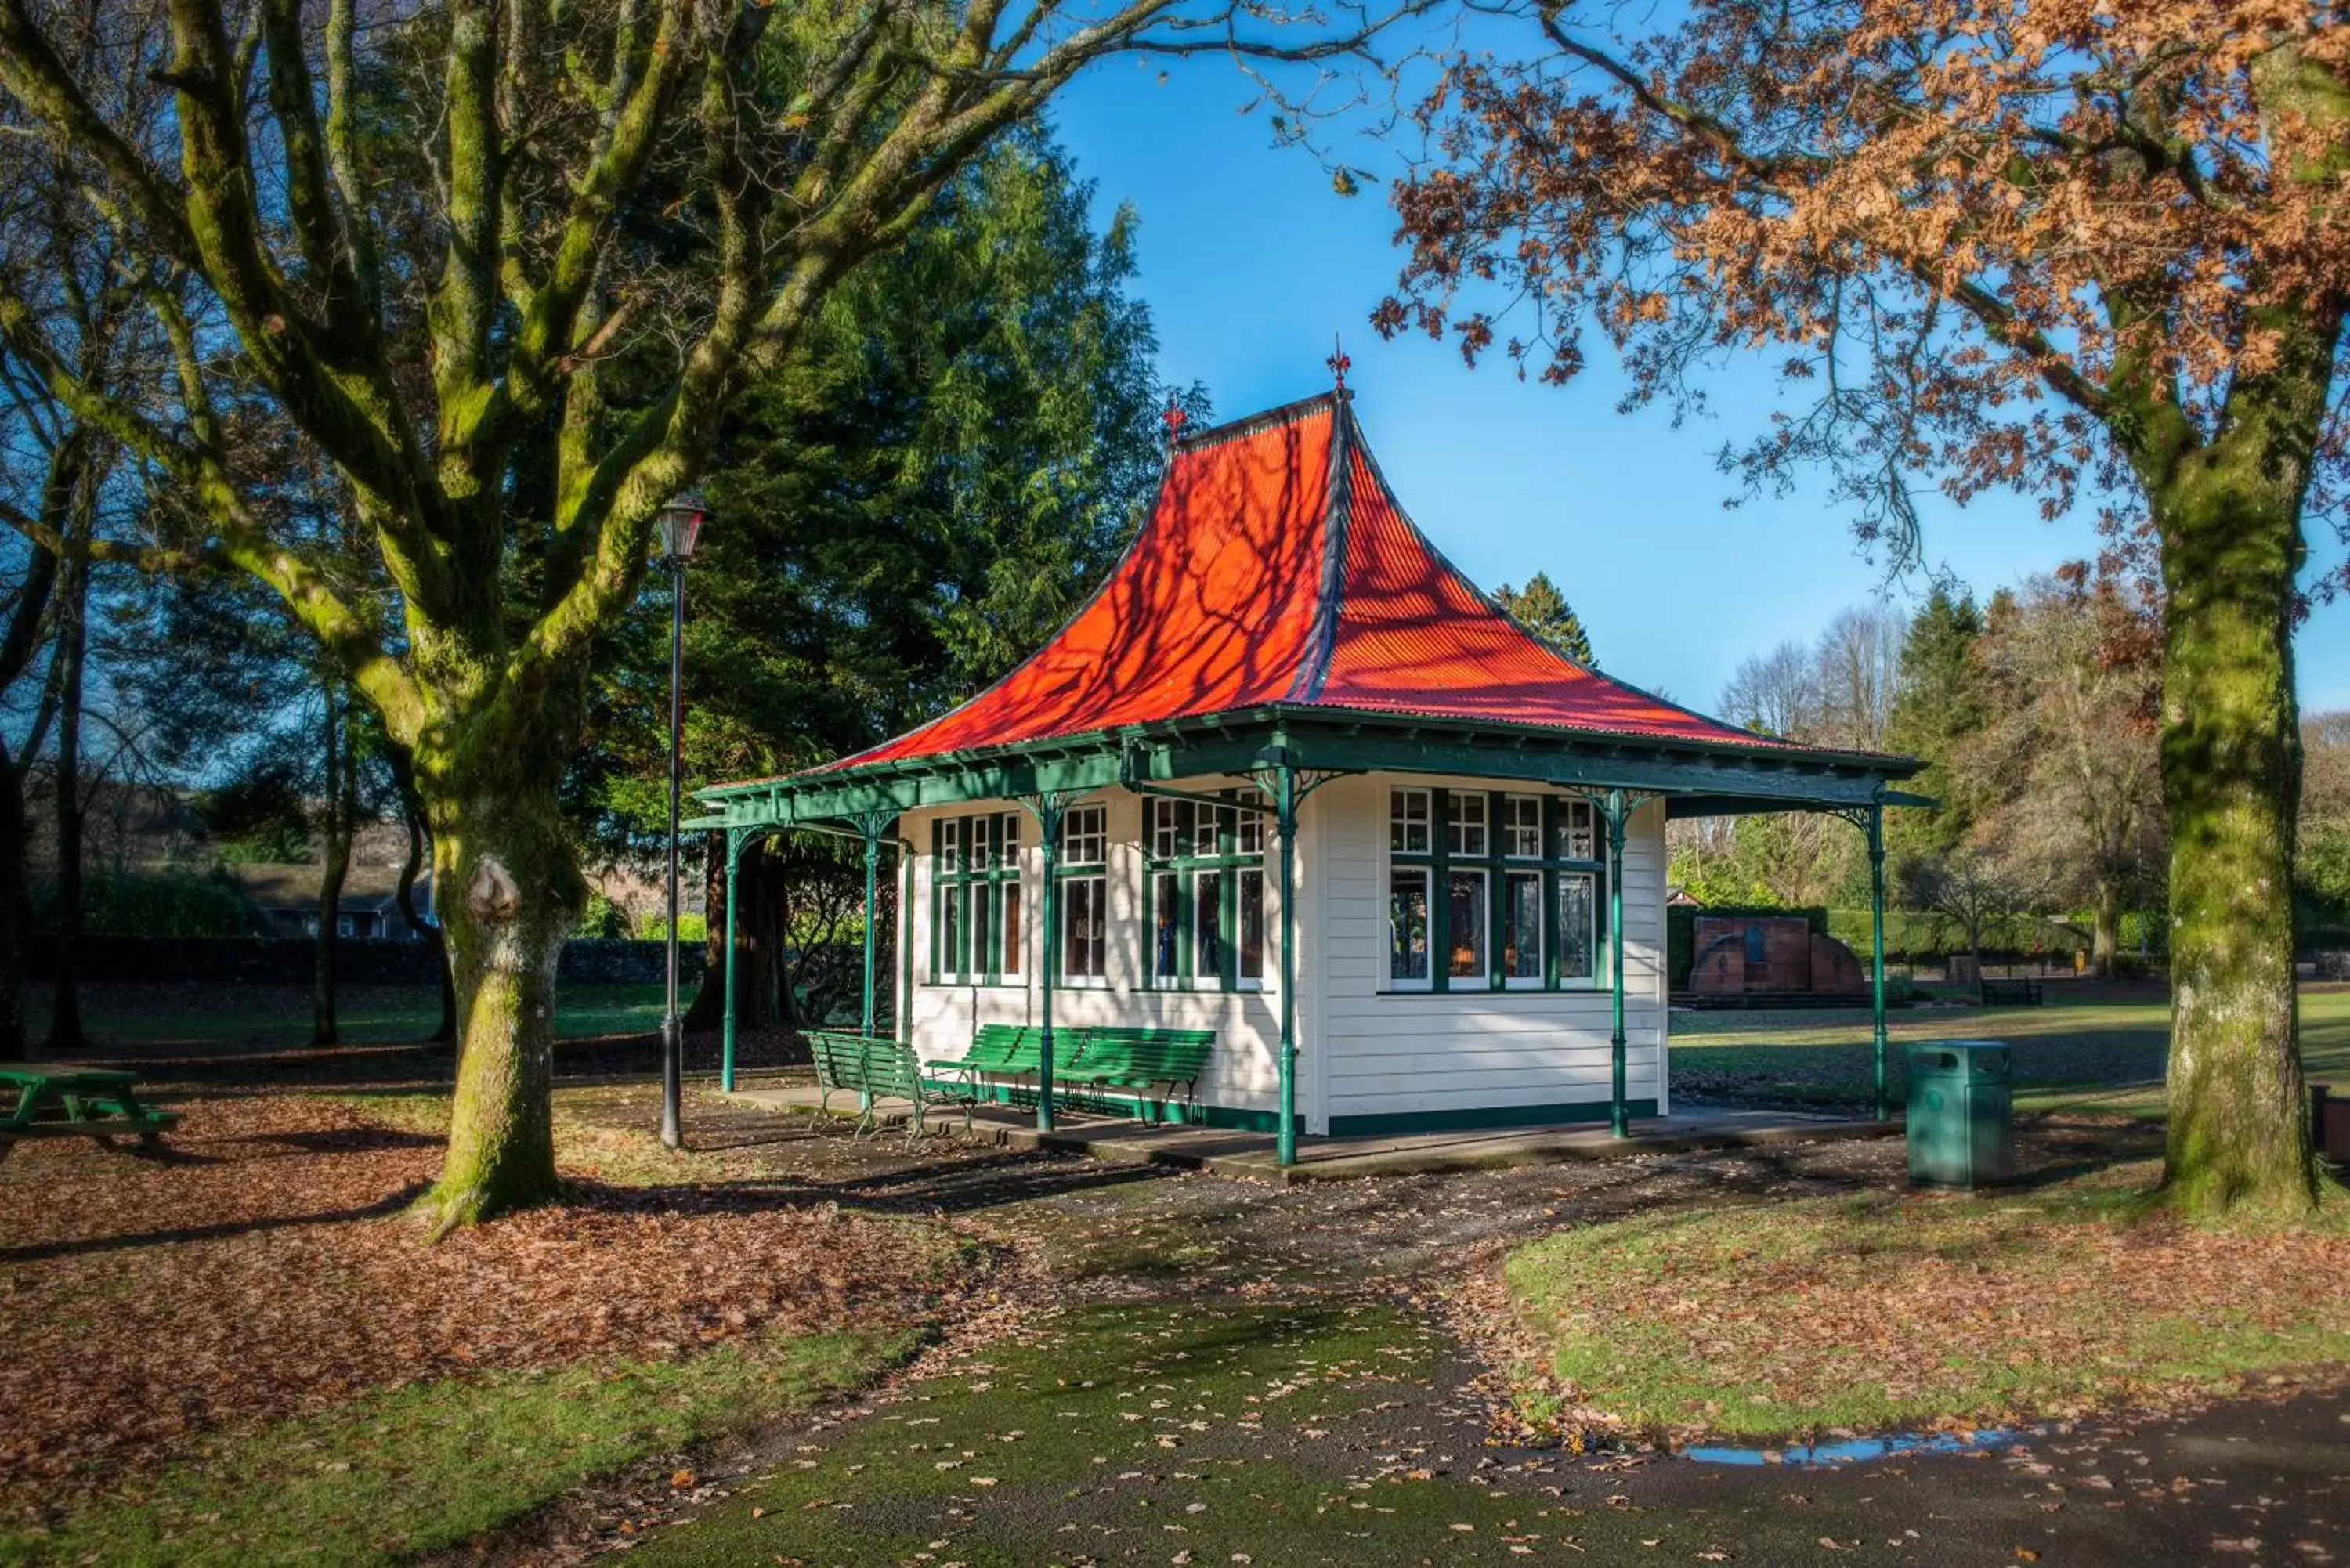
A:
(262, 1270)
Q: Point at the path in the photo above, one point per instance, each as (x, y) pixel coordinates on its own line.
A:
(1210, 1372)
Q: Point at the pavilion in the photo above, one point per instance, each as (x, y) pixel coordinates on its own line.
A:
(1290, 776)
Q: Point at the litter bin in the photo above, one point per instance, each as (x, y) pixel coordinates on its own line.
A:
(1961, 1113)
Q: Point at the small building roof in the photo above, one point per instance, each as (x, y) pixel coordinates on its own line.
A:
(1278, 568)
(1278, 607)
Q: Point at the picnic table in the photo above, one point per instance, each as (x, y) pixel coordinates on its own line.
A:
(64, 1101)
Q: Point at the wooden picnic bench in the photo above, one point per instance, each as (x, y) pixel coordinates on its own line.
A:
(874, 1069)
(64, 1101)
(2021, 991)
(1143, 1059)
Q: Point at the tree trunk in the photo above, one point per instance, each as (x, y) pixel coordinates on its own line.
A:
(15, 907)
(707, 1011)
(509, 892)
(65, 1032)
(411, 811)
(2238, 1132)
(341, 810)
(2105, 935)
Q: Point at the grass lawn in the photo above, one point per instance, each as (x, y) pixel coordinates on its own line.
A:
(1892, 1308)
(431, 1465)
(219, 1018)
(2101, 1055)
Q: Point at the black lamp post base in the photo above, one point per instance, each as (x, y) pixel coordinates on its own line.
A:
(672, 1036)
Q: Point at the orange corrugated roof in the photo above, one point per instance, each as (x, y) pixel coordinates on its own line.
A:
(1277, 568)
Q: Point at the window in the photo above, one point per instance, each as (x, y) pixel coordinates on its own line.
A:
(1407, 927)
(1083, 893)
(1465, 925)
(1513, 895)
(1522, 827)
(1464, 824)
(1521, 928)
(1408, 821)
(976, 926)
(1578, 927)
(1205, 878)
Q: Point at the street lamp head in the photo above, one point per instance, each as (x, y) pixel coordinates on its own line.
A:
(678, 524)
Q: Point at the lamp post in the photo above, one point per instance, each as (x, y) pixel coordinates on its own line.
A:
(678, 524)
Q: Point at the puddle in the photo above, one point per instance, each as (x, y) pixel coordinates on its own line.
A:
(1856, 1451)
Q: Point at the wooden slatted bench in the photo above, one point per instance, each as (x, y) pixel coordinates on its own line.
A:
(78, 1102)
(1144, 1059)
(1009, 1051)
(2023, 992)
(873, 1070)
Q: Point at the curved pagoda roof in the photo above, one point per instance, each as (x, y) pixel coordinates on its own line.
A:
(1278, 581)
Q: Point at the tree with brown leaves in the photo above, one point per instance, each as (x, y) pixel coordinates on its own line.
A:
(2046, 245)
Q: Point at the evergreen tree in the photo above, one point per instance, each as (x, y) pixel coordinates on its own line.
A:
(899, 514)
(1942, 700)
(1544, 611)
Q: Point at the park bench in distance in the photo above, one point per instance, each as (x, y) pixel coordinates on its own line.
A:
(78, 1102)
(2023, 992)
(872, 1069)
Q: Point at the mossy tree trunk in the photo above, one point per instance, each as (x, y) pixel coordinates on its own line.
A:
(2239, 1133)
(2226, 506)
(509, 892)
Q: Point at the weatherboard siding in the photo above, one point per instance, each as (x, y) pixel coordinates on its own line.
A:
(1403, 1052)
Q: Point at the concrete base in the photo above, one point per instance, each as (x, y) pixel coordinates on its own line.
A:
(1251, 1155)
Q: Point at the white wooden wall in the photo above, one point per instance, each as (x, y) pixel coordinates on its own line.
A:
(1363, 1051)
(1398, 1053)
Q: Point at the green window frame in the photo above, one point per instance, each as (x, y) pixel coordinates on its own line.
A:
(1081, 875)
(978, 914)
(1493, 890)
(1203, 889)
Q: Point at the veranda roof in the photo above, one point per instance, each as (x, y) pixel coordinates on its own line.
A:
(1278, 586)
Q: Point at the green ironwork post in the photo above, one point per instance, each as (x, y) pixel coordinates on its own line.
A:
(1285, 824)
(1877, 948)
(735, 841)
(872, 826)
(1619, 1121)
(901, 1009)
(1048, 819)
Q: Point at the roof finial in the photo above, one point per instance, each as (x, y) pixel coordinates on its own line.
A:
(1338, 362)
(1174, 417)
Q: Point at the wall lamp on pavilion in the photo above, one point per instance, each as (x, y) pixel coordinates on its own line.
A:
(678, 524)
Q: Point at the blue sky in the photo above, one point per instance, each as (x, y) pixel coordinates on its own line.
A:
(1250, 264)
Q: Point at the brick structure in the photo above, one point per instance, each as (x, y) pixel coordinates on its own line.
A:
(1739, 955)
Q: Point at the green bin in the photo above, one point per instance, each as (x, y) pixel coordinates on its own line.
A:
(1961, 1113)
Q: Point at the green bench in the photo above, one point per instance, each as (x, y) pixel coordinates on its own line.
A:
(1139, 1059)
(2022, 991)
(78, 1102)
(872, 1070)
(1143, 1059)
